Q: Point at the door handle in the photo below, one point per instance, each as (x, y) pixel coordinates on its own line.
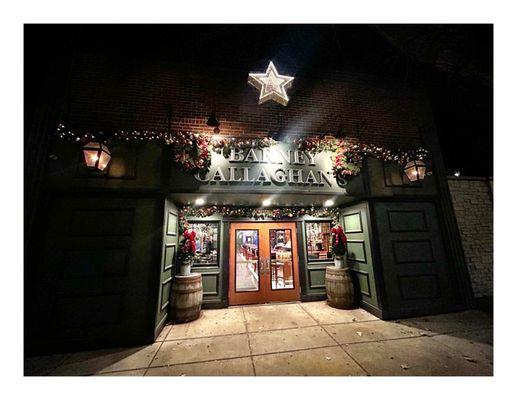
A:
(264, 266)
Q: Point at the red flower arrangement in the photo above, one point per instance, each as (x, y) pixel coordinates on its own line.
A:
(188, 246)
(339, 240)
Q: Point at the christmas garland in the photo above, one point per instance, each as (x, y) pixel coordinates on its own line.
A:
(251, 212)
(348, 156)
(192, 151)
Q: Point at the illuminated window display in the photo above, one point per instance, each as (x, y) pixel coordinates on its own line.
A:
(207, 251)
(319, 241)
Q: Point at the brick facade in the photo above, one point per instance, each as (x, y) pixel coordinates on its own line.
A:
(107, 95)
(473, 206)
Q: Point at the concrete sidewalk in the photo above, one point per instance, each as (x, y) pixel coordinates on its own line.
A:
(295, 339)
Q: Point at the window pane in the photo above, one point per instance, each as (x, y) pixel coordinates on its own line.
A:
(246, 260)
(319, 241)
(206, 242)
(281, 256)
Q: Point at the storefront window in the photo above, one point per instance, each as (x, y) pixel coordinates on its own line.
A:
(319, 241)
(207, 243)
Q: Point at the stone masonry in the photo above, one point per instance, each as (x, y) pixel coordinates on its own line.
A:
(473, 205)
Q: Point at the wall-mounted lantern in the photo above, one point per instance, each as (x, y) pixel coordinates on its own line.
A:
(96, 155)
(213, 122)
(415, 170)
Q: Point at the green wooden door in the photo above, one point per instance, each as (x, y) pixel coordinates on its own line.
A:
(416, 274)
(168, 263)
(357, 229)
(92, 280)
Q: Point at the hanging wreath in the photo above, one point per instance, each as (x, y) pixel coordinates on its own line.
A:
(191, 151)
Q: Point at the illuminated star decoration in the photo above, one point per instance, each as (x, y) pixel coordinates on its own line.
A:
(272, 86)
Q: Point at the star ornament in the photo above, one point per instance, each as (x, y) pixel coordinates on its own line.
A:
(271, 84)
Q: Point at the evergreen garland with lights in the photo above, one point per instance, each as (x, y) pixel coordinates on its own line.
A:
(255, 213)
(192, 151)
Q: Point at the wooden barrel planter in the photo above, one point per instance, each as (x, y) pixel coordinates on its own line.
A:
(340, 290)
(186, 297)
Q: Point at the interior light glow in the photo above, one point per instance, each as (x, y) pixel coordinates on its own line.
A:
(328, 203)
(266, 202)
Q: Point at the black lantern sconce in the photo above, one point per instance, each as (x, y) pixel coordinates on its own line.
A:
(96, 155)
(415, 170)
(213, 122)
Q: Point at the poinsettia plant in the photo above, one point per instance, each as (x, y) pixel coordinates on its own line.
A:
(187, 248)
(338, 241)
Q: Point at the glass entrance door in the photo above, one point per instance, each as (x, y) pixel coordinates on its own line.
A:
(263, 263)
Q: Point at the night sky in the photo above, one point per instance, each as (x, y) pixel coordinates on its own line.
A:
(453, 62)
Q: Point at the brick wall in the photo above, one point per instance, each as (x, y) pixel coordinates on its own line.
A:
(104, 94)
(473, 205)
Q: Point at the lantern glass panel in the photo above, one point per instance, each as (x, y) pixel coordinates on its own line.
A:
(104, 160)
(415, 170)
(91, 157)
(421, 172)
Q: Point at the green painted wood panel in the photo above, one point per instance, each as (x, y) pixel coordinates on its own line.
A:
(92, 287)
(167, 265)
(418, 279)
(355, 221)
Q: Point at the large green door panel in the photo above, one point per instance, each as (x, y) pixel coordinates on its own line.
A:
(416, 272)
(167, 265)
(94, 284)
(356, 225)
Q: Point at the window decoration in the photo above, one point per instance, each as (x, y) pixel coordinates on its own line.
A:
(207, 243)
(319, 241)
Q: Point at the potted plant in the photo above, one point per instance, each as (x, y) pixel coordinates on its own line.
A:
(338, 281)
(187, 288)
(186, 252)
(339, 247)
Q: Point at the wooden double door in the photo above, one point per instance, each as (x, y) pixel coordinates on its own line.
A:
(263, 263)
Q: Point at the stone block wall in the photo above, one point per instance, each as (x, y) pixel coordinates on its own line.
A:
(473, 205)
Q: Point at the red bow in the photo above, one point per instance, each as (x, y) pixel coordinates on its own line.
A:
(190, 242)
(340, 234)
(189, 235)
